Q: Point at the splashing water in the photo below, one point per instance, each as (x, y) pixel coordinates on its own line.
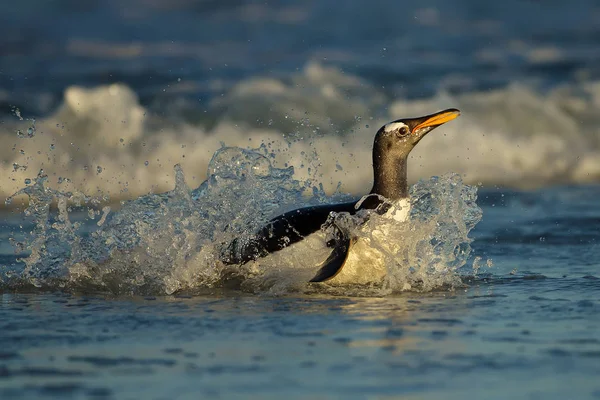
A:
(429, 249)
(435, 241)
(169, 242)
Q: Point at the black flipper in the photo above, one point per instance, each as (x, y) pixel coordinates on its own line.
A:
(336, 260)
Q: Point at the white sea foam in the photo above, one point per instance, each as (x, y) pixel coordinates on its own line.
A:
(321, 121)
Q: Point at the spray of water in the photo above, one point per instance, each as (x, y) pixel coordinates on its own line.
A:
(170, 242)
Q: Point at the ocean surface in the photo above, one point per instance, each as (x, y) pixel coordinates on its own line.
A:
(141, 135)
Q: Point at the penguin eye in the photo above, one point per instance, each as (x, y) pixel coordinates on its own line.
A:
(402, 131)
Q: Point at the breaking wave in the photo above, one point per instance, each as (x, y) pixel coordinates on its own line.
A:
(321, 121)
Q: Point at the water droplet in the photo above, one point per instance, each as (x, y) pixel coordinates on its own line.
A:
(146, 163)
(27, 181)
(17, 112)
(99, 169)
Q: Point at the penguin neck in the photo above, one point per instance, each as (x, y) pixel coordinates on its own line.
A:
(390, 175)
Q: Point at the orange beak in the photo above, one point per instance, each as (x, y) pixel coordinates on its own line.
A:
(437, 119)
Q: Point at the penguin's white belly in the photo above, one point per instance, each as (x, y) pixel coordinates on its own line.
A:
(365, 263)
(300, 259)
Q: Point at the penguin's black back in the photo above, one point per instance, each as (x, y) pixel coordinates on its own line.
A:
(287, 229)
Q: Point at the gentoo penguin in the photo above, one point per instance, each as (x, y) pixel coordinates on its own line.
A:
(350, 260)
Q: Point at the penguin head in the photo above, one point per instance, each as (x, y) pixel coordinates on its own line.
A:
(398, 138)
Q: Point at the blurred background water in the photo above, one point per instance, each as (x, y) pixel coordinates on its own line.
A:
(106, 96)
(113, 85)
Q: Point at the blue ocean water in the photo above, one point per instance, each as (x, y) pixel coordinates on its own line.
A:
(107, 284)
